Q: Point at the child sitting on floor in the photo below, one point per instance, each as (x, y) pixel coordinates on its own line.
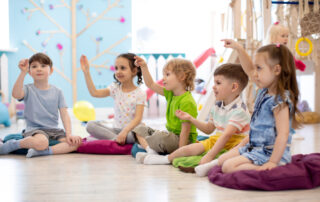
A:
(273, 70)
(43, 102)
(178, 80)
(229, 118)
(129, 100)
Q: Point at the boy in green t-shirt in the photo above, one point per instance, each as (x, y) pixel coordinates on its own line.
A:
(229, 119)
(178, 81)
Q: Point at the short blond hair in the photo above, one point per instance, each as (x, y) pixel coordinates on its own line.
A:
(182, 67)
(273, 32)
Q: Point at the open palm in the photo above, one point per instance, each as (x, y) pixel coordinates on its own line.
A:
(84, 63)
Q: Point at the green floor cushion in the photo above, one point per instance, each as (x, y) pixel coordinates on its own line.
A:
(191, 161)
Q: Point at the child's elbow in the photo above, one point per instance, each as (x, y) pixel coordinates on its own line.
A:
(17, 96)
(208, 132)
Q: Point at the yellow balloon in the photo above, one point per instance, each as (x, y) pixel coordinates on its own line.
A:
(84, 111)
(220, 59)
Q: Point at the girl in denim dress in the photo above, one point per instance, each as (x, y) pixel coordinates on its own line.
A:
(268, 145)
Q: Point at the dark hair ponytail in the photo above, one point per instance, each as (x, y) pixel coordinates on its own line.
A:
(130, 58)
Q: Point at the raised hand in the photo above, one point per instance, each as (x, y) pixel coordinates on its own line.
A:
(139, 62)
(229, 43)
(24, 65)
(84, 63)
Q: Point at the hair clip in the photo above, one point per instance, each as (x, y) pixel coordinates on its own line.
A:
(276, 23)
(278, 45)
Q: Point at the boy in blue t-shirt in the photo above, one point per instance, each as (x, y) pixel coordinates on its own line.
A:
(43, 103)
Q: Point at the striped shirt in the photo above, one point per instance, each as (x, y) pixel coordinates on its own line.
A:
(236, 113)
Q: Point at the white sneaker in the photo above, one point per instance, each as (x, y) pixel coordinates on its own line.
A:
(140, 157)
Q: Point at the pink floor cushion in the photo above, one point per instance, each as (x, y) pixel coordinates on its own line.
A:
(302, 173)
(104, 147)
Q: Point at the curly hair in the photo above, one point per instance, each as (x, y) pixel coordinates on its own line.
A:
(182, 68)
(130, 58)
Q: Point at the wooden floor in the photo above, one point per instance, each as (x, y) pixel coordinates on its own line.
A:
(81, 177)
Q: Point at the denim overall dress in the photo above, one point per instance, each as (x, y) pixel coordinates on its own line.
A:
(263, 131)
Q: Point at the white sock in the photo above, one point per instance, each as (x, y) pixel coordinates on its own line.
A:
(33, 153)
(152, 159)
(140, 157)
(150, 151)
(203, 169)
(139, 146)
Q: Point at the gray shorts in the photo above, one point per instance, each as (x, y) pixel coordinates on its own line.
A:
(160, 141)
(52, 134)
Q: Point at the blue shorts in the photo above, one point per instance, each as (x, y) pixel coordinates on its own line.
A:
(261, 155)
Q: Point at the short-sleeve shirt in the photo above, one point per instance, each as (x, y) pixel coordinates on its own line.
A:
(125, 104)
(42, 107)
(184, 102)
(235, 113)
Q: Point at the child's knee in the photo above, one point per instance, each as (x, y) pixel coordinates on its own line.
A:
(91, 125)
(143, 131)
(40, 142)
(220, 160)
(227, 166)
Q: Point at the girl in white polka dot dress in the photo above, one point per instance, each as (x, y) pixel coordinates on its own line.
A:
(129, 100)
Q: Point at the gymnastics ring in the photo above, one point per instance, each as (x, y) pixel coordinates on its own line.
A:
(297, 46)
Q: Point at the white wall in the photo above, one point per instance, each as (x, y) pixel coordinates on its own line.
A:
(175, 26)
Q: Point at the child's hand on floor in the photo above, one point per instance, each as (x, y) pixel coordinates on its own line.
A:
(74, 140)
(183, 115)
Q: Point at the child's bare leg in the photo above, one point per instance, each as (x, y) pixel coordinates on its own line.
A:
(238, 163)
(230, 154)
(142, 141)
(141, 155)
(63, 147)
(37, 141)
(188, 150)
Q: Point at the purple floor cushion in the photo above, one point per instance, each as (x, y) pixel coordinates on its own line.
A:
(302, 173)
(104, 147)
